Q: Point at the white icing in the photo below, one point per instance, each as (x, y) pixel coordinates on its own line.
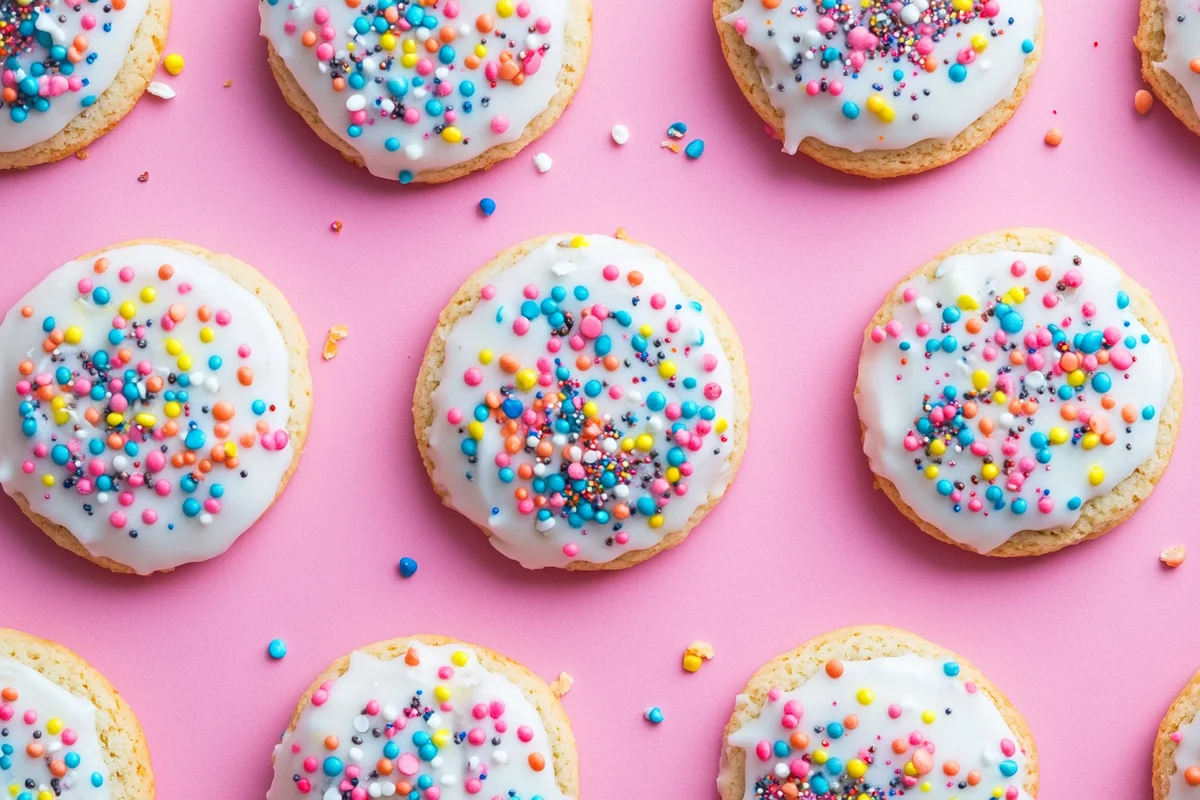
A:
(1187, 755)
(791, 43)
(488, 108)
(58, 24)
(1181, 25)
(894, 384)
(67, 742)
(904, 690)
(490, 726)
(166, 535)
(706, 411)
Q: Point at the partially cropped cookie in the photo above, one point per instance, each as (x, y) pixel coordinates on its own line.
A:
(584, 401)
(874, 712)
(882, 89)
(64, 731)
(1177, 748)
(428, 92)
(1169, 40)
(427, 717)
(1018, 394)
(70, 71)
(158, 401)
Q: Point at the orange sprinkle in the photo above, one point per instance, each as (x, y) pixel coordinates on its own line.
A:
(205, 465)
(262, 427)
(492, 399)
(899, 746)
(973, 778)
(970, 410)
(92, 415)
(26, 368)
(771, 3)
(1194, 66)
(634, 278)
(1069, 362)
(484, 23)
(10, 694)
(1192, 774)
(26, 311)
(331, 742)
(56, 336)
(177, 312)
(165, 272)
(154, 383)
(1143, 101)
(1107, 401)
(171, 428)
(521, 494)
(512, 445)
(544, 449)
(223, 411)
(1054, 137)
(799, 740)
(834, 668)
(583, 363)
(1128, 413)
(509, 363)
(986, 426)
(221, 430)
(537, 762)
(245, 376)
(1108, 438)
(525, 472)
(217, 453)
(204, 313)
(950, 768)
(621, 511)
(974, 325)
(115, 441)
(1069, 411)
(851, 722)
(1043, 273)
(101, 265)
(1016, 357)
(34, 749)
(383, 766)
(246, 439)
(411, 658)
(308, 38)
(58, 768)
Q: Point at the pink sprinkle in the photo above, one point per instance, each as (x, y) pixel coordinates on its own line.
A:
(570, 550)
(408, 764)
(520, 326)
(149, 516)
(657, 301)
(910, 295)
(85, 286)
(116, 519)
(473, 377)
(500, 124)
(590, 327)
(712, 391)
(30, 717)
(741, 26)
(224, 318)
(319, 697)
(611, 273)
(894, 711)
(487, 292)
(454, 416)
(126, 274)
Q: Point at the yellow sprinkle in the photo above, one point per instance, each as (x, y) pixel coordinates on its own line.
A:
(578, 241)
(937, 447)
(54, 726)
(387, 42)
(145, 419)
(184, 362)
(174, 347)
(980, 379)
(62, 417)
(656, 521)
(979, 43)
(1058, 435)
(999, 397)
(856, 768)
(207, 335)
(962, 5)
(721, 426)
(451, 134)
(459, 659)
(926, 786)
(928, 717)
(931, 471)
(172, 409)
(409, 46)
(865, 697)
(74, 335)
(666, 370)
(59, 402)
(672, 474)
(989, 472)
(646, 331)
(485, 356)
(692, 663)
(967, 303)
(481, 51)
(1090, 440)
(127, 309)
(408, 60)
(231, 449)
(173, 63)
(114, 419)
(1017, 294)
(820, 757)
(887, 115)
(644, 442)
(910, 770)
(504, 8)
(1076, 377)
(442, 693)
(526, 379)
(47, 480)
(627, 444)
(148, 294)
(475, 429)
(1096, 475)
(876, 103)
(441, 737)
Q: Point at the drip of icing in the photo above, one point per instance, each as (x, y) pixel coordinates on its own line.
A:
(857, 76)
(555, 385)
(1181, 48)
(1009, 390)
(92, 444)
(434, 722)
(50, 736)
(888, 726)
(46, 77)
(406, 108)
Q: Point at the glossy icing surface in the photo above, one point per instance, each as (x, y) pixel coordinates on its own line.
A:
(1181, 49)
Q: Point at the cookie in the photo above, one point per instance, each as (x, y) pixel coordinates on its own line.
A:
(1177, 747)
(418, 92)
(159, 401)
(584, 401)
(64, 731)
(70, 71)
(428, 717)
(874, 712)
(882, 88)
(1169, 39)
(1018, 394)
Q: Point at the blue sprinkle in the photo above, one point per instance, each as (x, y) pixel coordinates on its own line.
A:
(695, 148)
(850, 110)
(654, 715)
(1027, 46)
(488, 206)
(951, 669)
(958, 73)
(277, 649)
(408, 567)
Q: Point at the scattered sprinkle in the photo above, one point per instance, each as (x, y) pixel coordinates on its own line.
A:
(228, 84)
(563, 685)
(335, 335)
(1194, 66)
(696, 654)
(1143, 101)
(336, 226)
(277, 649)
(145, 176)
(695, 149)
(488, 206)
(620, 134)
(408, 567)
(1054, 137)
(674, 148)
(1173, 556)
(654, 715)
(173, 63)
(160, 89)
(677, 130)
(543, 162)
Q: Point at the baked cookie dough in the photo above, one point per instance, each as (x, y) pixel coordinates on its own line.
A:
(426, 92)
(882, 88)
(584, 401)
(1169, 39)
(873, 712)
(158, 402)
(427, 717)
(1177, 748)
(70, 71)
(1018, 394)
(64, 731)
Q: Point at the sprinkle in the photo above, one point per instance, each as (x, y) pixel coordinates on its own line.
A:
(1173, 556)
(173, 63)
(227, 84)
(562, 685)
(145, 176)
(488, 206)
(677, 130)
(1054, 137)
(653, 715)
(696, 654)
(408, 567)
(277, 649)
(161, 90)
(543, 162)
(336, 226)
(335, 335)
(672, 146)
(695, 149)
(620, 134)
(1143, 101)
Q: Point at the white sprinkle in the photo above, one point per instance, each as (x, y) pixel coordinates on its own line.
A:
(414, 152)
(620, 134)
(356, 102)
(543, 162)
(160, 89)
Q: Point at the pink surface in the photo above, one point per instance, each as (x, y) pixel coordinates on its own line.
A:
(1091, 644)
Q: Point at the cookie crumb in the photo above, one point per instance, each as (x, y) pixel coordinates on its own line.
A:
(1054, 137)
(696, 654)
(674, 148)
(1143, 101)
(160, 90)
(620, 134)
(1173, 556)
(543, 162)
(620, 234)
(145, 176)
(562, 685)
(335, 335)
(82, 155)
(336, 226)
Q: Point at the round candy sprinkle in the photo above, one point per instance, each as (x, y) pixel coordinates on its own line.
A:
(488, 206)
(173, 63)
(1143, 101)
(695, 149)
(677, 130)
(620, 134)
(408, 567)
(1054, 137)
(543, 162)
(654, 715)
(277, 649)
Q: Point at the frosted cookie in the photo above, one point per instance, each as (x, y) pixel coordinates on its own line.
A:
(584, 401)
(427, 92)
(64, 731)
(70, 71)
(1169, 39)
(430, 718)
(873, 712)
(1177, 748)
(882, 88)
(1018, 394)
(158, 402)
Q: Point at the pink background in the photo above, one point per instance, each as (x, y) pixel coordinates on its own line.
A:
(1091, 644)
